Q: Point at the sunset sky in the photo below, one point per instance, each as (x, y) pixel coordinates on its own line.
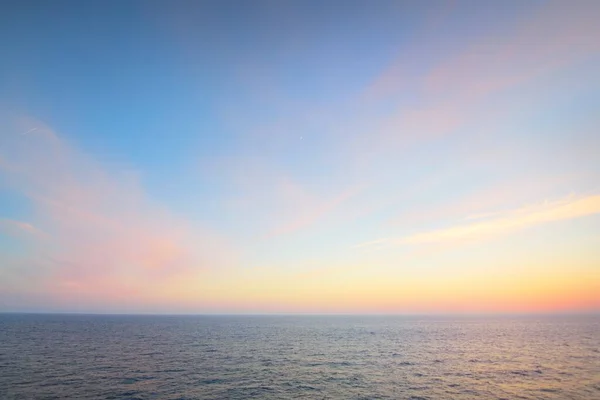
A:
(300, 157)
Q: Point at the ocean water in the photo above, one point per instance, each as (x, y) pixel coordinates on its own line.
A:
(310, 357)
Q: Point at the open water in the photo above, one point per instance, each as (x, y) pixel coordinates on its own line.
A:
(309, 357)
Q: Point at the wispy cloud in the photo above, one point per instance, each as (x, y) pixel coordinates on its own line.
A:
(477, 203)
(102, 233)
(279, 203)
(555, 36)
(312, 211)
(501, 223)
(558, 34)
(14, 227)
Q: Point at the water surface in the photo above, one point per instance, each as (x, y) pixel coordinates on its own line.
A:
(312, 357)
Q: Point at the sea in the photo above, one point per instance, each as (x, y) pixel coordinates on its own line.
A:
(299, 357)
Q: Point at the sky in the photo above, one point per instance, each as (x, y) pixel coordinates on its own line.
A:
(400, 157)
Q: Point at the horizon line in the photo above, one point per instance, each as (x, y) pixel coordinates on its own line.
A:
(309, 314)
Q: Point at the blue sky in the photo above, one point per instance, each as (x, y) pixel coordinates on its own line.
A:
(291, 137)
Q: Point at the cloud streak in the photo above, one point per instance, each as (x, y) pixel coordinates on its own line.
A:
(556, 36)
(17, 228)
(312, 211)
(101, 232)
(501, 223)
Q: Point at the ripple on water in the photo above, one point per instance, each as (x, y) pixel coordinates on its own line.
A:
(297, 357)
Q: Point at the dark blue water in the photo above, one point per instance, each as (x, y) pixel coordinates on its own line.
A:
(318, 357)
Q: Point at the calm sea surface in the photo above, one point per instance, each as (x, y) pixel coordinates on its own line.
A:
(313, 357)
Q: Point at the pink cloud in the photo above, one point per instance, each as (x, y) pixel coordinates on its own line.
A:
(274, 202)
(311, 210)
(17, 228)
(452, 92)
(396, 77)
(558, 34)
(101, 231)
